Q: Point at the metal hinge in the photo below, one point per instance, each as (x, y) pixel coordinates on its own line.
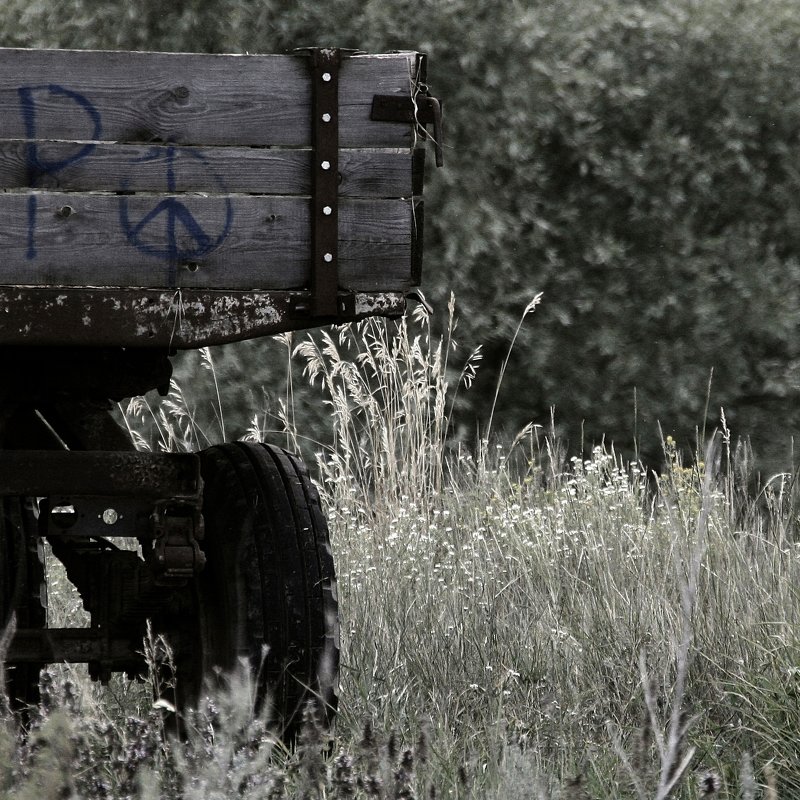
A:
(421, 109)
(176, 526)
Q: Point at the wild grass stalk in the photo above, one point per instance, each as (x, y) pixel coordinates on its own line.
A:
(529, 309)
(387, 390)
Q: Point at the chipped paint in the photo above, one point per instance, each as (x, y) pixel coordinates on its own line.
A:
(380, 303)
(151, 318)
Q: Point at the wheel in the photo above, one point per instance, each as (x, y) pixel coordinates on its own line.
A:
(267, 593)
(22, 591)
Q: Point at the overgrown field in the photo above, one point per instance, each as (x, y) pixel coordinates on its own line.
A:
(516, 622)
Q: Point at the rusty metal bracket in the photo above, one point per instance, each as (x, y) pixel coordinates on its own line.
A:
(176, 527)
(421, 109)
(324, 65)
(96, 495)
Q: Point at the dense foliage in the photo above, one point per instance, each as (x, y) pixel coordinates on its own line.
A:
(636, 162)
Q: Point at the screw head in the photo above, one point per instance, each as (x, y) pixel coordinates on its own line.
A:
(327, 258)
(326, 165)
(327, 211)
(326, 76)
(326, 117)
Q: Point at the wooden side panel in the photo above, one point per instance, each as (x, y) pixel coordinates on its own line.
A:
(161, 199)
(191, 99)
(218, 241)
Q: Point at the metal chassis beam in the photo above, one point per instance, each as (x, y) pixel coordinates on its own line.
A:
(73, 645)
(42, 473)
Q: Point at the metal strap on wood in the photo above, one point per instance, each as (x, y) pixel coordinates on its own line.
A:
(324, 64)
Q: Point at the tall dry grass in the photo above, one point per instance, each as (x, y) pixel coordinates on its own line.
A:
(548, 626)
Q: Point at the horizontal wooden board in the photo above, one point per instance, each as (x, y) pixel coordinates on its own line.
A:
(183, 318)
(135, 168)
(222, 241)
(251, 100)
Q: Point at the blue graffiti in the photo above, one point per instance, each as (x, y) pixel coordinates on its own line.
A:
(169, 231)
(174, 213)
(38, 166)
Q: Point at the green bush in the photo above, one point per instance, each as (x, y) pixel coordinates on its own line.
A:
(636, 164)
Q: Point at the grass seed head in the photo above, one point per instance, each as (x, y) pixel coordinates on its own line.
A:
(422, 747)
(404, 777)
(709, 783)
(343, 778)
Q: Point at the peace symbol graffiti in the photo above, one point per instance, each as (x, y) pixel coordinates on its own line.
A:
(170, 231)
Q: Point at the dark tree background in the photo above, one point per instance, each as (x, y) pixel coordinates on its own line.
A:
(636, 162)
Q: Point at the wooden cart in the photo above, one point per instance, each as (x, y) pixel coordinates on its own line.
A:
(153, 202)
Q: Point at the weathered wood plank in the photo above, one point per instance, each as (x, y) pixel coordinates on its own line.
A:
(136, 168)
(182, 318)
(252, 100)
(224, 241)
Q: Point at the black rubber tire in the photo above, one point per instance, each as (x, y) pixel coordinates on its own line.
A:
(22, 587)
(267, 593)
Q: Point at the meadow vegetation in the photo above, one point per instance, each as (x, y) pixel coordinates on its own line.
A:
(516, 622)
